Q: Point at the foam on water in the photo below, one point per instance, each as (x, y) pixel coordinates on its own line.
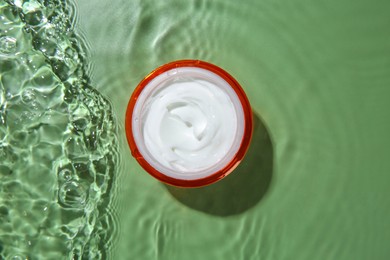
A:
(58, 143)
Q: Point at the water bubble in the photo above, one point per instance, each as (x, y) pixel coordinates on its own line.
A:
(49, 30)
(19, 257)
(47, 46)
(7, 44)
(70, 52)
(33, 14)
(9, 15)
(20, 138)
(11, 83)
(100, 166)
(80, 124)
(28, 95)
(45, 79)
(61, 69)
(81, 111)
(34, 62)
(72, 195)
(8, 64)
(65, 175)
(75, 148)
(91, 140)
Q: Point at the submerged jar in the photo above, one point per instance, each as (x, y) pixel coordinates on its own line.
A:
(189, 123)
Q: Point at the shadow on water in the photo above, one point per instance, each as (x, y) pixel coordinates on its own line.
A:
(243, 188)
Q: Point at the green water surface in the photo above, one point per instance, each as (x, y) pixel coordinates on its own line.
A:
(317, 74)
(58, 142)
(314, 184)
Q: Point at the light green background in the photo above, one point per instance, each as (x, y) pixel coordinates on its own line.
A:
(317, 73)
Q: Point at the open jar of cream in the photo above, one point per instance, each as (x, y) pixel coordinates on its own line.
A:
(188, 123)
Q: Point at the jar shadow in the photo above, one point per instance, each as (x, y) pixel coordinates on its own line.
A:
(243, 188)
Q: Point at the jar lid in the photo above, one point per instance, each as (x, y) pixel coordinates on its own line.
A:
(188, 123)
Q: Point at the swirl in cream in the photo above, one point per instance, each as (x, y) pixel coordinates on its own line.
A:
(189, 123)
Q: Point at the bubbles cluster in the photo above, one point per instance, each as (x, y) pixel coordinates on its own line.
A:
(58, 143)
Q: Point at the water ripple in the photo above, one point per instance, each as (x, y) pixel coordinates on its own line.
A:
(316, 74)
(57, 139)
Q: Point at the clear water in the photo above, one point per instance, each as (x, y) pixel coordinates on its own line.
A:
(58, 142)
(315, 182)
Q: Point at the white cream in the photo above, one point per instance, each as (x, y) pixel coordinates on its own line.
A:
(187, 123)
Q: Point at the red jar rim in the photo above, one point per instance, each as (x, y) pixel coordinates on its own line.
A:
(246, 138)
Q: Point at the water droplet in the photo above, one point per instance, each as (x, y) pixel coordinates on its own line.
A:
(7, 44)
